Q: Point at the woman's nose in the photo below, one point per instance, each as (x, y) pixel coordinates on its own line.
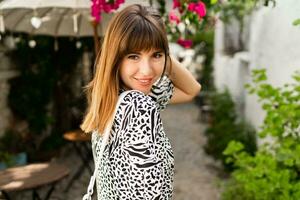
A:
(145, 67)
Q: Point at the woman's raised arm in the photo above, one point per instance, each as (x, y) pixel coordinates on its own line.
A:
(186, 87)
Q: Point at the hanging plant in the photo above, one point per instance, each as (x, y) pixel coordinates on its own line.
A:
(185, 19)
(98, 6)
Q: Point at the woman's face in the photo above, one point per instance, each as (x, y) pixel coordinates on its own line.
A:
(140, 70)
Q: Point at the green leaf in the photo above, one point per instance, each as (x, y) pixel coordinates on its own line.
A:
(233, 147)
(213, 1)
(296, 22)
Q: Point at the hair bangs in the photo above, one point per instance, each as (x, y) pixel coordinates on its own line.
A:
(144, 36)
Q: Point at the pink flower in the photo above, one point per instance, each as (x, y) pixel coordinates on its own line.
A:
(117, 4)
(95, 10)
(176, 4)
(199, 8)
(185, 43)
(103, 5)
(173, 17)
(191, 6)
(107, 8)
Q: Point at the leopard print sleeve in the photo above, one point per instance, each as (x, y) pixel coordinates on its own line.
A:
(146, 153)
(141, 153)
(162, 92)
(138, 163)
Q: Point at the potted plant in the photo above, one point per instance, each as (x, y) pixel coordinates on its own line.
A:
(13, 151)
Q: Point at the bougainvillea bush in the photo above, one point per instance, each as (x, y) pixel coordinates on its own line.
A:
(185, 20)
(100, 6)
(189, 17)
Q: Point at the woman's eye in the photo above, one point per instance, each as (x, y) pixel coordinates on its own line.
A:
(157, 55)
(133, 57)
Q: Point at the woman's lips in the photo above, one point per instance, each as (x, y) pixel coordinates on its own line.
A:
(144, 82)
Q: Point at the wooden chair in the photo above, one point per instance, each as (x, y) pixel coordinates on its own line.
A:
(77, 136)
(82, 144)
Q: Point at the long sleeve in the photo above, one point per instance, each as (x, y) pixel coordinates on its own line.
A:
(138, 161)
(144, 170)
(162, 92)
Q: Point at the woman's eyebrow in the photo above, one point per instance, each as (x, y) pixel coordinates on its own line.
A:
(156, 50)
(133, 53)
(159, 50)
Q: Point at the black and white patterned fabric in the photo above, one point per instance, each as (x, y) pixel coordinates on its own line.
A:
(138, 161)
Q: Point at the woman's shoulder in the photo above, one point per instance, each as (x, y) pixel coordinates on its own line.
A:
(137, 99)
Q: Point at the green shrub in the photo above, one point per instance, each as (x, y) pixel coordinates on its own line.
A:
(225, 127)
(274, 171)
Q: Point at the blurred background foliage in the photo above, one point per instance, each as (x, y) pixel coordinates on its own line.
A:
(41, 97)
(226, 126)
(273, 172)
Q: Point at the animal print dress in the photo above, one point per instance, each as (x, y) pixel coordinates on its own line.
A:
(138, 162)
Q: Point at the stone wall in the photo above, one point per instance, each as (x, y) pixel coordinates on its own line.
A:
(271, 42)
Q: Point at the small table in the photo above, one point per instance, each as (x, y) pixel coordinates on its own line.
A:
(31, 177)
(80, 140)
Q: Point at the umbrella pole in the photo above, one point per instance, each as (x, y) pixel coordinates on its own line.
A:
(96, 37)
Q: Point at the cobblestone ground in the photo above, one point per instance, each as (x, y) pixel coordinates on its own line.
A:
(195, 172)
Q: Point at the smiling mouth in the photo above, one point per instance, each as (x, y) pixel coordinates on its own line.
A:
(144, 81)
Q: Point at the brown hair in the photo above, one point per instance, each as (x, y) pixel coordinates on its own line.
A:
(136, 28)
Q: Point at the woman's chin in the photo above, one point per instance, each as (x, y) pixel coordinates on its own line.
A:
(145, 90)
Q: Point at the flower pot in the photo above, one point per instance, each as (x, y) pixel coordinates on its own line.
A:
(16, 160)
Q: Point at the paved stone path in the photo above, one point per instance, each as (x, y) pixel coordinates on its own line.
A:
(195, 172)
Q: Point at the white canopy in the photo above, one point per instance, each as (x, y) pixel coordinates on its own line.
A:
(53, 17)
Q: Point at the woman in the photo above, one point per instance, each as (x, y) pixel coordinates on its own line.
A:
(138, 161)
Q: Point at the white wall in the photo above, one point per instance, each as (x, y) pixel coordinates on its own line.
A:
(274, 44)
